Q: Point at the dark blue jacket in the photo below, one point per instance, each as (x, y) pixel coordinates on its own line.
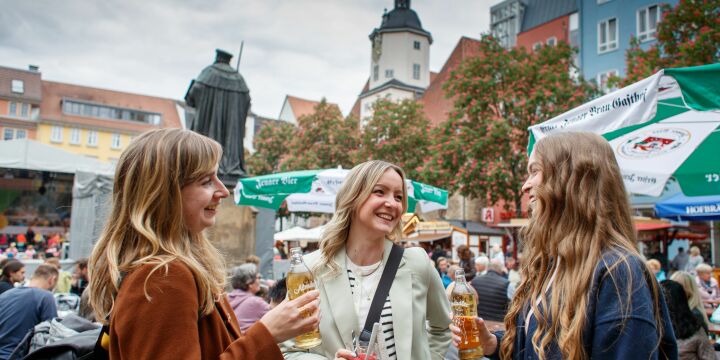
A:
(608, 333)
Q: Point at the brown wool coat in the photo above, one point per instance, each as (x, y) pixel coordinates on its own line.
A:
(169, 326)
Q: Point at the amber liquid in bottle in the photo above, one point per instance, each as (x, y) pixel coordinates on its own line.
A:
(464, 308)
(299, 281)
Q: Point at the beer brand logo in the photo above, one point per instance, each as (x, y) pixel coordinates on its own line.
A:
(303, 288)
(654, 143)
(459, 304)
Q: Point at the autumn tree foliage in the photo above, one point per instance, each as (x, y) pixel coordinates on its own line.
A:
(271, 144)
(687, 35)
(397, 132)
(481, 150)
(323, 139)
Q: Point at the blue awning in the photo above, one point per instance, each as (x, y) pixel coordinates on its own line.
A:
(683, 207)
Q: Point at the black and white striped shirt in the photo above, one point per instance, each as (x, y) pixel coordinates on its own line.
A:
(385, 318)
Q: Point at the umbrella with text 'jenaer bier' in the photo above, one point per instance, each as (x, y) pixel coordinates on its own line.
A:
(661, 127)
(315, 191)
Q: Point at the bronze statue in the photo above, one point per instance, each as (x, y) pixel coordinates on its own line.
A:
(222, 101)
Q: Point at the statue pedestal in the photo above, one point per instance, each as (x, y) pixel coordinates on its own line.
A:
(234, 232)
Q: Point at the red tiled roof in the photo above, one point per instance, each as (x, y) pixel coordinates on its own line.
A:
(54, 92)
(31, 84)
(436, 105)
(301, 107)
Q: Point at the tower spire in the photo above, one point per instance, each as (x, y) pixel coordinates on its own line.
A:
(402, 4)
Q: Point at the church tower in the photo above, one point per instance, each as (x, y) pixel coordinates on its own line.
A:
(400, 58)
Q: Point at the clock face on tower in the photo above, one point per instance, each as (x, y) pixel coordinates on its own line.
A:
(377, 48)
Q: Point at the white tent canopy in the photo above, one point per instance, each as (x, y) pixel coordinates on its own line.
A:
(32, 155)
(298, 233)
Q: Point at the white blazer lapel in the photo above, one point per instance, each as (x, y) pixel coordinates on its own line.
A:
(340, 300)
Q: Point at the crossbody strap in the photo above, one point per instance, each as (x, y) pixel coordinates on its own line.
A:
(382, 291)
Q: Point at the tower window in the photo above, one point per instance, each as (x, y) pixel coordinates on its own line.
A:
(416, 71)
(389, 73)
(416, 45)
(376, 72)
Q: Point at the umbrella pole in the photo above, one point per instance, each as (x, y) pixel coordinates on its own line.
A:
(712, 242)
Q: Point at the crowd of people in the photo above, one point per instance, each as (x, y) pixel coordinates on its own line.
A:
(579, 289)
(31, 245)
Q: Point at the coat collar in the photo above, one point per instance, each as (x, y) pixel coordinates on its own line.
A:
(342, 305)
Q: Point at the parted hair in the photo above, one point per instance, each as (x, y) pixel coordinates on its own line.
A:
(145, 224)
(581, 211)
(9, 267)
(354, 191)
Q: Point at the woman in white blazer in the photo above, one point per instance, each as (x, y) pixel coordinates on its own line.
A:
(353, 251)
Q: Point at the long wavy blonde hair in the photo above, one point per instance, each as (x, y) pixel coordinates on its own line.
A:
(692, 292)
(354, 191)
(581, 211)
(145, 225)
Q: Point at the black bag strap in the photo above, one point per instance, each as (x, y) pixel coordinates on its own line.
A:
(382, 291)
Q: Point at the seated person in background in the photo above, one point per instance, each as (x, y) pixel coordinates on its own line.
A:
(12, 271)
(64, 279)
(442, 268)
(708, 286)
(24, 307)
(692, 340)
(493, 304)
(656, 269)
(693, 295)
(248, 307)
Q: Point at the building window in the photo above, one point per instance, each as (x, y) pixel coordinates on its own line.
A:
(389, 73)
(376, 72)
(75, 136)
(18, 86)
(24, 110)
(416, 45)
(56, 134)
(602, 80)
(647, 20)
(416, 71)
(92, 138)
(115, 144)
(12, 109)
(8, 134)
(552, 41)
(607, 35)
(20, 134)
(75, 107)
(537, 46)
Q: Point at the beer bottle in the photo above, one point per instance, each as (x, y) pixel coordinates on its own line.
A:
(464, 308)
(299, 281)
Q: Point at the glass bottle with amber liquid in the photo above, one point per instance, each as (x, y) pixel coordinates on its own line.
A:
(299, 281)
(464, 309)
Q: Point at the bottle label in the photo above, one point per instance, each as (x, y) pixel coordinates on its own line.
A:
(303, 288)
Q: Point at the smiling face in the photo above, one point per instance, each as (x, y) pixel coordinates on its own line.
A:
(535, 178)
(200, 200)
(381, 211)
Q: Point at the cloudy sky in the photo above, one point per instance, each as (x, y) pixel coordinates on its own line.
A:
(305, 48)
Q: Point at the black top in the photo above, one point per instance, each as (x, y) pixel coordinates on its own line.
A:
(5, 286)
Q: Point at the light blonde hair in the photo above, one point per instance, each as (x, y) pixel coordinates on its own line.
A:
(692, 292)
(703, 268)
(694, 251)
(145, 225)
(581, 212)
(654, 265)
(354, 191)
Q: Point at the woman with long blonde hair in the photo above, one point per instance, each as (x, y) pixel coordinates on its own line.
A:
(585, 291)
(692, 292)
(353, 253)
(155, 277)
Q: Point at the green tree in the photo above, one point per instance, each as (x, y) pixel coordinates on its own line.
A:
(481, 150)
(688, 35)
(398, 132)
(323, 139)
(271, 144)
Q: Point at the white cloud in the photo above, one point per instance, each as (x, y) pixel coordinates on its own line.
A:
(308, 49)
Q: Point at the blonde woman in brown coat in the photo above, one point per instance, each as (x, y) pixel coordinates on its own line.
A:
(156, 276)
